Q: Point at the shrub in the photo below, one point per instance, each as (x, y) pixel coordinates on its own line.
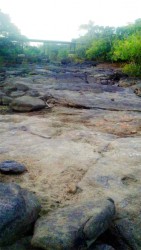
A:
(132, 69)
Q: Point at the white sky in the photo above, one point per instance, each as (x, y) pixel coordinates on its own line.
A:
(60, 19)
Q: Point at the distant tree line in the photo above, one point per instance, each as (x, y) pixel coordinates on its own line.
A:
(101, 44)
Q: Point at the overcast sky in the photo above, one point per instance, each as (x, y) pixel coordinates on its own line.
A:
(60, 19)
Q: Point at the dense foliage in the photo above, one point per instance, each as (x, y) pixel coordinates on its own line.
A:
(10, 47)
(122, 44)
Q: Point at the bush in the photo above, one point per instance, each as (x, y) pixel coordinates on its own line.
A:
(132, 69)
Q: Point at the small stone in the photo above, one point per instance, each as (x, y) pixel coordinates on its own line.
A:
(72, 189)
(12, 167)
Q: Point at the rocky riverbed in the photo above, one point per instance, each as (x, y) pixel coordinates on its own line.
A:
(78, 133)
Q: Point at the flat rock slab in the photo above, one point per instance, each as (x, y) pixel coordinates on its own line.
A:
(124, 100)
(87, 87)
(12, 167)
(19, 209)
(27, 103)
(71, 227)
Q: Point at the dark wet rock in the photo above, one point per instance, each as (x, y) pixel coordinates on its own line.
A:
(73, 226)
(27, 103)
(88, 64)
(104, 82)
(2, 76)
(12, 167)
(6, 100)
(19, 209)
(18, 93)
(2, 70)
(1, 95)
(116, 76)
(101, 247)
(22, 244)
(1, 83)
(125, 233)
(66, 61)
(113, 240)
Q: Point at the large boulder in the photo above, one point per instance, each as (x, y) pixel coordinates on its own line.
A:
(73, 226)
(19, 209)
(27, 103)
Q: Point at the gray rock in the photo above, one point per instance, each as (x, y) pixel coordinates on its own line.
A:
(10, 87)
(127, 82)
(22, 87)
(19, 209)
(6, 100)
(12, 167)
(33, 92)
(27, 103)
(71, 227)
(17, 93)
(137, 89)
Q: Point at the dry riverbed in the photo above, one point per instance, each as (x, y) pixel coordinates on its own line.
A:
(85, 145)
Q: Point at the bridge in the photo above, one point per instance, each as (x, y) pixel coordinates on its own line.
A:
(47, 41)
(47, 44)
(71, 44)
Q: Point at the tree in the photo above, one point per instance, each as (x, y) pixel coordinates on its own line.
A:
(7, 29)
(99, 50)
(9, 46)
